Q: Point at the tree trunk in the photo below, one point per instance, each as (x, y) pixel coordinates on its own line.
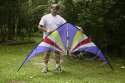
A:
(11, 26)
(16, 24)
(3, 33)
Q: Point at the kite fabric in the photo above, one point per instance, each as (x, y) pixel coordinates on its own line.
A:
(67, 39)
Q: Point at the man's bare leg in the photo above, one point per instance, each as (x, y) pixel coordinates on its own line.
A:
(46, 59)
(57, 58)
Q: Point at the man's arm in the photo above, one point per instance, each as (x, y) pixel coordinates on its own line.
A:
(80, 28)
(42, 28)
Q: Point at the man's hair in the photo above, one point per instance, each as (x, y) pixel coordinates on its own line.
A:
(55, 5)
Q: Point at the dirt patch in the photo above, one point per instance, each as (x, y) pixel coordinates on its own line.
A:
(17, 81)
(37, 63)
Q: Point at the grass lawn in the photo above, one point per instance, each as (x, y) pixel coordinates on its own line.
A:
(75, 70)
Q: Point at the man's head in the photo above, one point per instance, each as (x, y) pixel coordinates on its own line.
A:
(54, 9)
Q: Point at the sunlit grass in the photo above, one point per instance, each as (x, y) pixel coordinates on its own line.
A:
(75, 70)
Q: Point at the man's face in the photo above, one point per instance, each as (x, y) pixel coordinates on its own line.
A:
(54, 10)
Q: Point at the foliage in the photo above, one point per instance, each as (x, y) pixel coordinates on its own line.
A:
(102, 20)
(8, 18)
(20, 18)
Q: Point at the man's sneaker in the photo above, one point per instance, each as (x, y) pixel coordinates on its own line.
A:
(45, 69)
(58, 69)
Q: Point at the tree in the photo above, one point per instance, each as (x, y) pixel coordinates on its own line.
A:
(8, 19)
(18, 17)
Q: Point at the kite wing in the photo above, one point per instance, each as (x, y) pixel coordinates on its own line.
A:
(67, 39)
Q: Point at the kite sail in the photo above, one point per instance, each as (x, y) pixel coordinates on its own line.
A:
(67, 39)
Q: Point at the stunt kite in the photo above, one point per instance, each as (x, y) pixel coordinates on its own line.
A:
(67, 39)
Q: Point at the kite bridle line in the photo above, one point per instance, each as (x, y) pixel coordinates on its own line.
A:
(53, 53)
(81, 54)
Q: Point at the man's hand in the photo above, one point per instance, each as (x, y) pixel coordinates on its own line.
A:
(48, 31)
(80, 28)
(42, 28)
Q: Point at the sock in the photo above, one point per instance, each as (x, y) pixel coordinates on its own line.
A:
(45, 64)
(57, 65)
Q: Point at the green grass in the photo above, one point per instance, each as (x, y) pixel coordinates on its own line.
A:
(75, 70)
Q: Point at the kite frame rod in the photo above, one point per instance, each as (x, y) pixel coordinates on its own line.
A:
(67, 41)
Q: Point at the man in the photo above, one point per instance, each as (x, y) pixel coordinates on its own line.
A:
(47, 24)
